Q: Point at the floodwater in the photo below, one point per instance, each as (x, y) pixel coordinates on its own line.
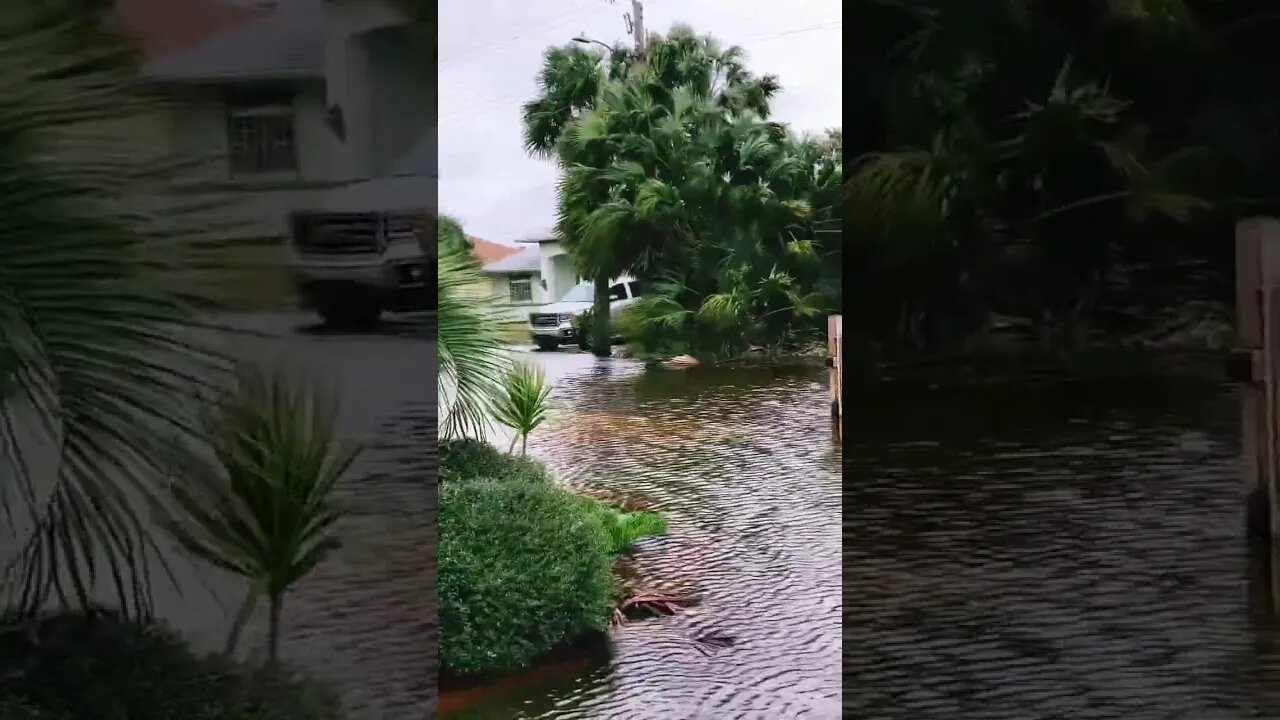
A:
(364, 620)
(1073, 551)
(744, 465)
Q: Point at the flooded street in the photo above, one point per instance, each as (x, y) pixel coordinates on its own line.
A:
(365, 619)
(1075, 551)
(744, 465)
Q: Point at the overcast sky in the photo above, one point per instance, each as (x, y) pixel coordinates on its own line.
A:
(490, 51)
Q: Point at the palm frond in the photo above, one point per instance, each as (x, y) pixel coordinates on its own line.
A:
(471, 356)
(103, 356)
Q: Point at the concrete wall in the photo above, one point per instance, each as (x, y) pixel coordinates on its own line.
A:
(364, 49)
(499, 289)
(555, 267)
(402, 103)
(254, 205)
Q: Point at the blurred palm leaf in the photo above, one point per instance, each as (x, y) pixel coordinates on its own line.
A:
(472, 360)
(99, 360)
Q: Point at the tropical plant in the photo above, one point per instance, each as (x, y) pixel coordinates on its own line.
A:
(471, 355)
(521, 402)
(626, 527)
(264, 508)
(599, 116)
(675, 172)
(1016, 159)
(99, 360)
(451, 239)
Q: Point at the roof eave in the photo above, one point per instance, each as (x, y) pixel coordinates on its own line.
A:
(223, 78)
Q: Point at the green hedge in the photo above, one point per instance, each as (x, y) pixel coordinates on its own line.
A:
(102, 667)
(523, 567)
(470, 459)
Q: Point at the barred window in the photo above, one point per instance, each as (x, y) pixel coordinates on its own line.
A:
(260, 138)
(521, 289)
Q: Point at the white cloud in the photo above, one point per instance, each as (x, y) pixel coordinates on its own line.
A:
(491, 50)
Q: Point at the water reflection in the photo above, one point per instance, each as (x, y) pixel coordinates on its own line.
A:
(742, 463)
(1072, 551)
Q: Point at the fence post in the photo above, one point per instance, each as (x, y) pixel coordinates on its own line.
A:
(1258, 323)
(836, 381)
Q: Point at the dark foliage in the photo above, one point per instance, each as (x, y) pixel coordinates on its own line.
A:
(103, 667)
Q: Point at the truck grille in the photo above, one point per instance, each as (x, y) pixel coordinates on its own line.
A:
(337, 233)
(544, 319)
(402, 227)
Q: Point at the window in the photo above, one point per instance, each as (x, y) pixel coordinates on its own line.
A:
(637, 289)
(617, 292)
(520, 289)
(260, 135)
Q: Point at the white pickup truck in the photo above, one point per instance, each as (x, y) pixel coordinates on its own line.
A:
(357, 252)
(555, 323)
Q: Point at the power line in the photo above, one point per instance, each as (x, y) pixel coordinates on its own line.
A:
(835, 25)
(554, 20)
(492, 101)
(477, 100)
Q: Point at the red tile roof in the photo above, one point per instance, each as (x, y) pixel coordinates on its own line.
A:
(161, 27)
(487, 251)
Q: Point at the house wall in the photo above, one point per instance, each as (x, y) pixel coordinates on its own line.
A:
(402, 102)
(499, 289)
(249, 205)
(555, 267)
(363, 78)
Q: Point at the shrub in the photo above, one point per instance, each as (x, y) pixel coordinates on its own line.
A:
(624, 528)
(523, 567)
(102, 667)
(471, 459)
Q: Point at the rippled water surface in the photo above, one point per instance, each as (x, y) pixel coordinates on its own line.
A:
(745, 467)
(1075, 551)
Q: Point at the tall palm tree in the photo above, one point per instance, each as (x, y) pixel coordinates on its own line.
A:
(98, 361)
(574, 82)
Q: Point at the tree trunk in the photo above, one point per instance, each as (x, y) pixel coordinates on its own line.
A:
(273, 629)
(600, 318)
(242, 618)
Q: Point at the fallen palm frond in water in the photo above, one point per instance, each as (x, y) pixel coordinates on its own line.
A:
(652, 604)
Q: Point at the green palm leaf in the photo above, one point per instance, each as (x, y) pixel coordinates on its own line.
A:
(263, 508)
(471, 356)
(99, 360)
(521, 402)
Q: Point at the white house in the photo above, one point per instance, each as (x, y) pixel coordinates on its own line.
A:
(313, 95)
(516, 282)
(554, 269)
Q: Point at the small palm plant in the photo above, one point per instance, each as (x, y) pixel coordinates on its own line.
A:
(264, 508)
(520, 402)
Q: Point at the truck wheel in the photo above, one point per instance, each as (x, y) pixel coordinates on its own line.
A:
(584, 342)
(546, 344)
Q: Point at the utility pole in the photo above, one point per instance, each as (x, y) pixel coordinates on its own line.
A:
(637, 11)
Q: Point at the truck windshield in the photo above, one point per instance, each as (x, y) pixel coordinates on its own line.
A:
(585, 292)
